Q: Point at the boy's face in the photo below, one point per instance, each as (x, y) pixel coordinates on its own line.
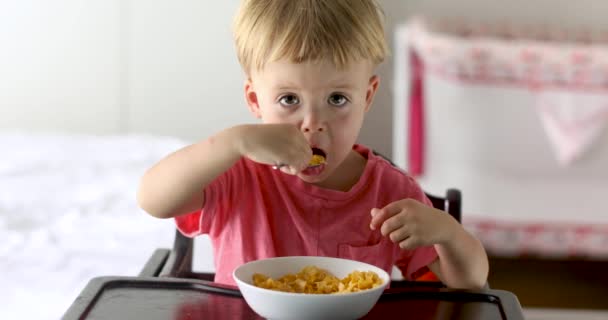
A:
(328, 105)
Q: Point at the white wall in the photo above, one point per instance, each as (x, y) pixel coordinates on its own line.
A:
(59, 65)
(168, 67)
(184, 77)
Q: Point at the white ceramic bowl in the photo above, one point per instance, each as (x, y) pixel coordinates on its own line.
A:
(272, 304)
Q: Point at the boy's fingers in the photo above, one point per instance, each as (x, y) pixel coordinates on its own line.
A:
(391, 225)
(288, 170)
(374, 212)
(374, 222)
(398, 235)
(380, 215)
(393, 207)
(302, 165)
(409, 243)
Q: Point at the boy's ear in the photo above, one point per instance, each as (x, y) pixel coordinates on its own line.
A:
(252, 99)
(372, 88)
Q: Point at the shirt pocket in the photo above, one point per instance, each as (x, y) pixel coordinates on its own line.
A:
(379, 254)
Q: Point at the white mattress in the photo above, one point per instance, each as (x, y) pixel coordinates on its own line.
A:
(68, 213)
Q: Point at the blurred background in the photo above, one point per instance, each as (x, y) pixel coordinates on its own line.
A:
(93, 92)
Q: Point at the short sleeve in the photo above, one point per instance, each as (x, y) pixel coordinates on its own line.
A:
(218, 198)
(416, 192)
(413, 263)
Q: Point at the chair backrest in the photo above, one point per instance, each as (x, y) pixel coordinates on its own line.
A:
(451, 203)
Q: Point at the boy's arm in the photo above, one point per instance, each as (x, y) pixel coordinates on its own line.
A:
(462, 262)
(175, 185)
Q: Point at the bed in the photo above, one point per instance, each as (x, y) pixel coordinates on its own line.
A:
(68, 213)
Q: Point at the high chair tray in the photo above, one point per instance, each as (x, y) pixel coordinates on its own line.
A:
(172, 298)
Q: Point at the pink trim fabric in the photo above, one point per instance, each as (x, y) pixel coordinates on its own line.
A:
(566, 70)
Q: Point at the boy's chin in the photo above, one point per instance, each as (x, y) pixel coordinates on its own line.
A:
(313, 175)
(309, 179)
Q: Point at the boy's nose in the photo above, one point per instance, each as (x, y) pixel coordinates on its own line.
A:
(312, 128)
(313, 122)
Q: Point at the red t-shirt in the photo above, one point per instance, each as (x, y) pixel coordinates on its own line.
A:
(253, 212)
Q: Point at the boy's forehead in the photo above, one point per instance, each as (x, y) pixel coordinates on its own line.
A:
(286, 74)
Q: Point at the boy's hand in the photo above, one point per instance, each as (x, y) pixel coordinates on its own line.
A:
(275, 144)
(412, 224)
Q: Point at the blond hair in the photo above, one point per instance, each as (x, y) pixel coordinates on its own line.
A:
(309, 30)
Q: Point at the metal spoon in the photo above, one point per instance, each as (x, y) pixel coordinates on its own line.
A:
(311, 164)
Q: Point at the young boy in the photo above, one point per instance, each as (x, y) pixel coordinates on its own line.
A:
(253, 188)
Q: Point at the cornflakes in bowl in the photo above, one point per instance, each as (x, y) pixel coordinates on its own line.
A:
(310, 287)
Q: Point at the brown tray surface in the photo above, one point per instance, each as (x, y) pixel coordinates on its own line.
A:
(169, 298)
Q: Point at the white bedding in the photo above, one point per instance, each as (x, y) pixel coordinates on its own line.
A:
(68, 213)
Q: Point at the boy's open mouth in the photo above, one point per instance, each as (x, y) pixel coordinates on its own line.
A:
(317, 163)
(318, 158)
(319, 152)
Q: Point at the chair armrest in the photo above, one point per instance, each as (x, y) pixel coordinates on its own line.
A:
(453, 203)
(179, 261)
(416, 284)
(155, 263)
(423, 284)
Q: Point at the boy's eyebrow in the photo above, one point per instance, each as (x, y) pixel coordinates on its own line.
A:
(287, 87)
(346, 86)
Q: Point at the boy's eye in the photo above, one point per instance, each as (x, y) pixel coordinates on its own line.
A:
(338, 100)
(289, 100)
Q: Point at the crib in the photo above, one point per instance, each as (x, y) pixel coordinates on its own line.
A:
(485, 135)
